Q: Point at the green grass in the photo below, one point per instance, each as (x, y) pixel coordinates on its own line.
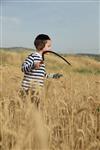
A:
(97, 72)
(83, 70)
(87, 71)
(14, 58)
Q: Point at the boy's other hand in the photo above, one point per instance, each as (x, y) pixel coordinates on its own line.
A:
(38, 64)
(57, 75)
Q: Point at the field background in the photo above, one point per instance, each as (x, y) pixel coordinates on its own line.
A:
(69, 115)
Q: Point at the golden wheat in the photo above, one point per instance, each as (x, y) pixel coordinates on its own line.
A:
(69, 114)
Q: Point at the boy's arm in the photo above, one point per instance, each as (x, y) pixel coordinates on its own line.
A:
(28, 64)
(53, 75)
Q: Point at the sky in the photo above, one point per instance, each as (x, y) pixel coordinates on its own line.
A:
(73, 26)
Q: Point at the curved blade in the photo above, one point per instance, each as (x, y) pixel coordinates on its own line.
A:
(55, 54)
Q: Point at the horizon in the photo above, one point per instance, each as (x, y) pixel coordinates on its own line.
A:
(70, 53)
(72, 25)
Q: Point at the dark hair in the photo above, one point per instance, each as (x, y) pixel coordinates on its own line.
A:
(40, 41)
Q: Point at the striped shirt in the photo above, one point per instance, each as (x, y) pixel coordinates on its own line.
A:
(33, 76)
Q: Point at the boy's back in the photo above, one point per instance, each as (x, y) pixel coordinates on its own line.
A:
(31, 74)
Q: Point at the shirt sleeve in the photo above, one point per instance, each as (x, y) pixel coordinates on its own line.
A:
(28, 64)
(50, 75)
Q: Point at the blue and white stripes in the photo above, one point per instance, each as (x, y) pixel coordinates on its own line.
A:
(28, 64)
(32, 75)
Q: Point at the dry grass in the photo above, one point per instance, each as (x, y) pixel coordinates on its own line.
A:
(69, 114)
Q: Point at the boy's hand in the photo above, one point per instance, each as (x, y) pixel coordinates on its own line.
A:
(38, 64)
(57, 75)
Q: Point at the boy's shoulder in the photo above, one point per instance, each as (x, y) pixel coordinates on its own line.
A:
(35, 54)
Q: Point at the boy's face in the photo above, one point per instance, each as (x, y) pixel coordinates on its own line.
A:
(47, 46)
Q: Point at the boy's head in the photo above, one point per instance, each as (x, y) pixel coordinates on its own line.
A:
(42, 42)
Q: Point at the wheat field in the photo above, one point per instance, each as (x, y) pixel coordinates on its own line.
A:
(69, 114)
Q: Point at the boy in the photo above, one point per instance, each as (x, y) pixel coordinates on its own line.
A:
(34, 68)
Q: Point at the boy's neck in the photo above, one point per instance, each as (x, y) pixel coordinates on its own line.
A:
(40, 52)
